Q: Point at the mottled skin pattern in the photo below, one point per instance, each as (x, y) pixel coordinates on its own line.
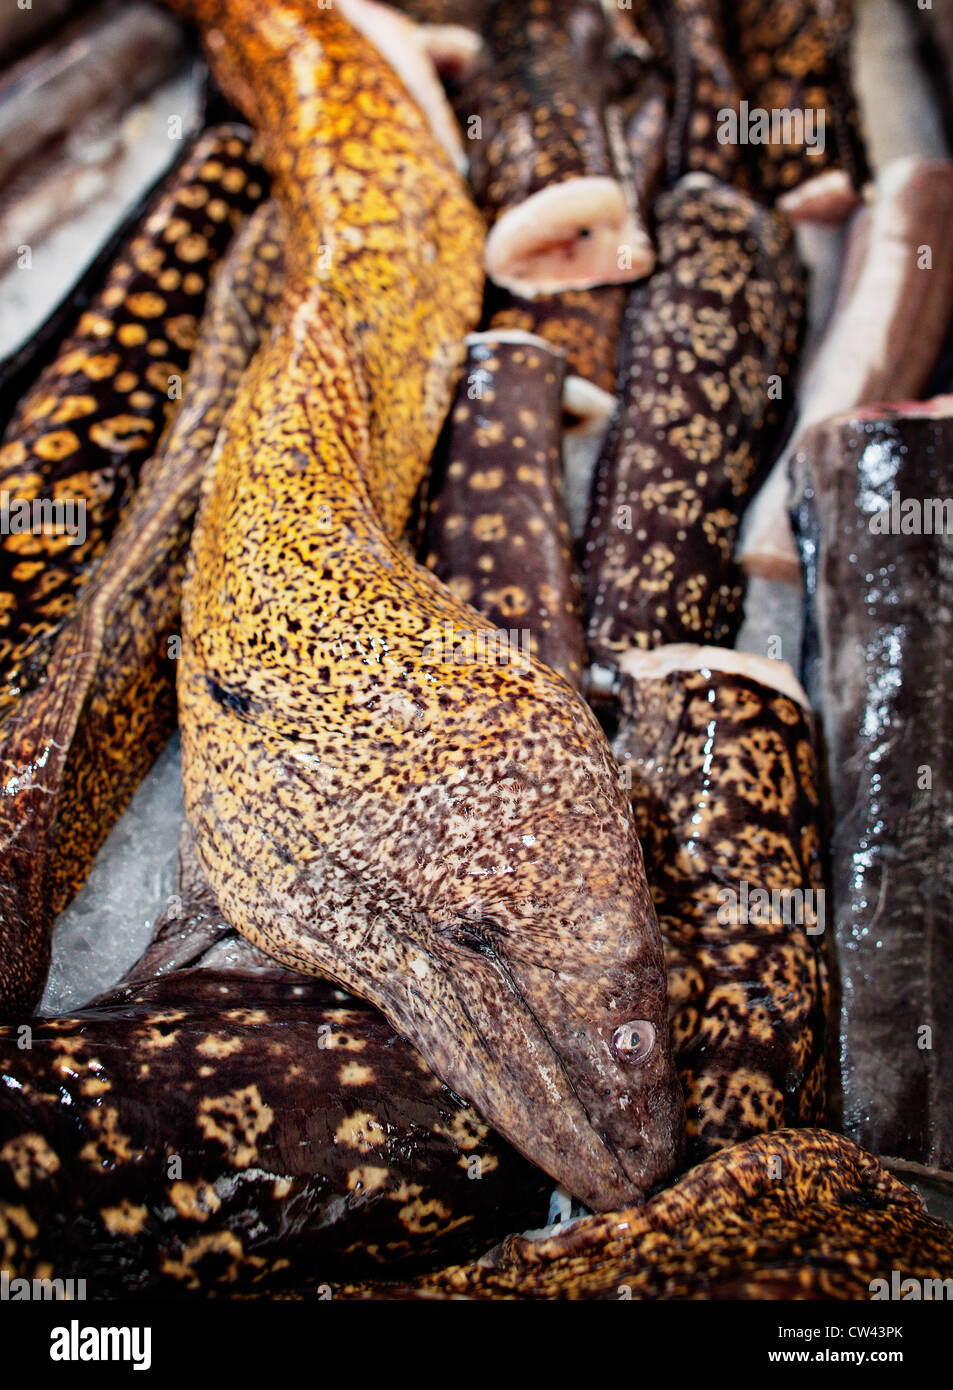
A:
(97, 411)
(725, 789)
(497, 531)
(800, 1214)
(795, 55)
(701, 339)
(880, 620)
(399, 825)
(585, 324)
(705, 84)
(313, 1143)
(73, 750)
(541, 88)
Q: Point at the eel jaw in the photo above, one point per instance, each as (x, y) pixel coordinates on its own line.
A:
(568, 236)
(559, 1075)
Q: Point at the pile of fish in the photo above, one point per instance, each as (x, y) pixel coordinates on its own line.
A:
(397, 451)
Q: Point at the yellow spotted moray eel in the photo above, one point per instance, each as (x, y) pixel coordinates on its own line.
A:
(800, 1214)
(717, 748)
(708, 343)
(81, 434)
(450, 844)
(497, 531)
(73, 750)
(879, 570)
(290, 1133)
(794, 56)
(547, 158)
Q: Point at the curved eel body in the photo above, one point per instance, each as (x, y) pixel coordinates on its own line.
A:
(362, 811)
(704, 341)
(289, 1134)
(793, 59)
(74, 749)
(71, 455)
(800, 1214)
(724, 782)
(546, 162)
(497, 531)
(876, 521)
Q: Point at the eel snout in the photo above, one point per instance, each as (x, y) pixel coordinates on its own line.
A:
(565, 1021)
(568, 236)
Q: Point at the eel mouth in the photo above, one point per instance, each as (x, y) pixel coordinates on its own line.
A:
(568, 236)
(583, 1087)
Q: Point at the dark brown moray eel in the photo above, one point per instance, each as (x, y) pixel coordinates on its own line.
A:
(584, 324)
(689, 37)
(497, 532)
(798, 1214)
(876, 522)
(708, 342)
(83, 431)
(73, 750)
(547, 160)
(449, 843)
(794, 56)
(218, 1125)
(717, 748)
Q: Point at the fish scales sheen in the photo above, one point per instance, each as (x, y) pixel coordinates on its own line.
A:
(453, 847)
(74, 749)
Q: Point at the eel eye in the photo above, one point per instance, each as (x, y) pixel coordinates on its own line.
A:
(632, 1042)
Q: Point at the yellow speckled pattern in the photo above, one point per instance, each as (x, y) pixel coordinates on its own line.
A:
(74, 749)
(96, 413)
(800, 1214)
(452, 845)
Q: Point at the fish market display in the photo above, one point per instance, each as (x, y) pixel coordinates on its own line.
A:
(876, 518)
(73, 750)
(703, 341)
(376, 512)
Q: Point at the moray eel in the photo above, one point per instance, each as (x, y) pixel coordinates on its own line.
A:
(584, 324)
(290, 1133)
(704, 86)
(883, 339)
(717, 747)
(449, 844)
(793, 56)
(704, 341)
(74, 749)
(497, 532)
(877, 485)
(546, 162)
(800, 1214)
(83, 431)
